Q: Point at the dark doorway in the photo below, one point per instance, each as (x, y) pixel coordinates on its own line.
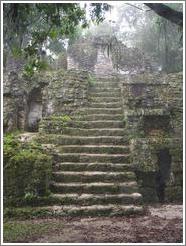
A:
(164, 163)
(34, 110)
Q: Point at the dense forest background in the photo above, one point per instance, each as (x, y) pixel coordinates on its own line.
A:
(37, 35)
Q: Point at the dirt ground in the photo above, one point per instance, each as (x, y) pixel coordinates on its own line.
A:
(160, 224)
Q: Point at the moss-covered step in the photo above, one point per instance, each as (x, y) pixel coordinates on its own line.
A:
(97, 199)
(99, 149)
(97, 124)
(85, 132)
(109, 167)
(108, 84)
(105, 104)
(56, 211)
(93, 117)
(105, 89)
(105, 94)
(105, 99)
(82, 124)
(95, 187)
(70, 140)
(101, 78)
(86, 157)
(101, 87)
(101, 110)
(93, 176)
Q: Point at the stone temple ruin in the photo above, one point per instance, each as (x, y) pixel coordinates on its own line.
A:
(123, 144)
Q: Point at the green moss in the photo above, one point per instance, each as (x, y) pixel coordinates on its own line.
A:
(27, 170)
(55, 122)
(27, 212)
(91, 80)
(63, 118)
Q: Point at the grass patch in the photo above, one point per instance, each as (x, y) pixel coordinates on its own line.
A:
(27, 213)
(28, 231)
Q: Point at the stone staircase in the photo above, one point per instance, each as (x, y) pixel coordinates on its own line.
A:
(93, 174)
(104, 64)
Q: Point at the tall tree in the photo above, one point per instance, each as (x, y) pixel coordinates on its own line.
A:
(168, 13)
(27, 26)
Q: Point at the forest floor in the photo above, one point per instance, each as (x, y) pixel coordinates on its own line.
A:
(160, 224)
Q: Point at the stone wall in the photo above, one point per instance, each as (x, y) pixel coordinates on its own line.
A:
(28, 100)
(103, 65)
(152, 106)
(158, 181)
(82, 55)
(131, 59)
(105, 54)
(90, 56)
(22, 101)
(66, 92)
(60, 62)
(152, 110)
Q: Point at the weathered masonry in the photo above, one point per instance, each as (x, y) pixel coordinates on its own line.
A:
(153, 116)
(116, 139)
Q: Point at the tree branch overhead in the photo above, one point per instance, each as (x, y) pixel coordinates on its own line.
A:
(168, 13)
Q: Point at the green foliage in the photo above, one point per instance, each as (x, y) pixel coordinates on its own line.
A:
(27, 212)
(27, 170)
(16, 51)
(65, 118)
(29, 27)
(91, 80)
(77, 34)
(34, 65)
(62, 118)
(98, 10)
(16, 231)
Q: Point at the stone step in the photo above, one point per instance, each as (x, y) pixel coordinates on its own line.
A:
(99, 199)
(86, 157)
(93, 117)
(110, 167)
(84, 132)
(85, 177)
(108, 84)
(104, 99)
(106, 79)
(94, 131)
(105, 89)
(105, 94)
(105, 105)
(101, 110)
(59, 125)
(95, 187)
(95, 210)
(99, 149)
(66, 139)
(96, 124)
